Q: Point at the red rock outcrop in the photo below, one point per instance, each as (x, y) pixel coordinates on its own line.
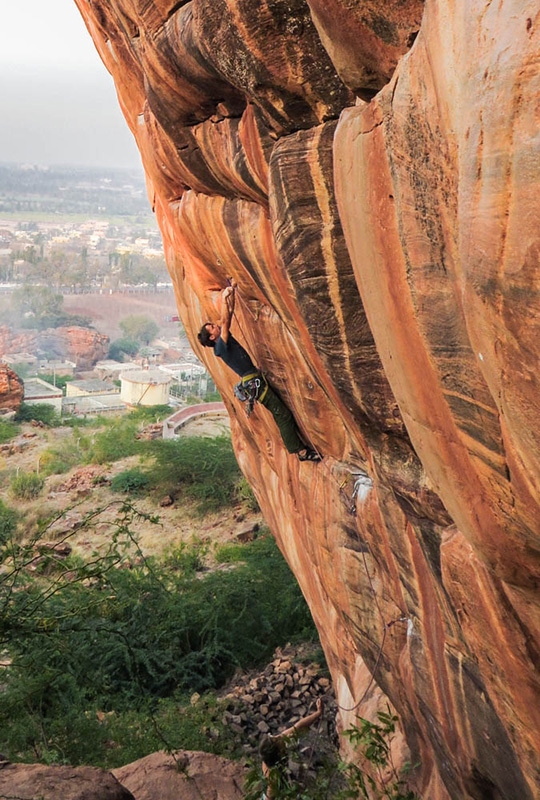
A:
(387, 258)
(40, 782)
(11, 389)
(84, 346)
(185, 776)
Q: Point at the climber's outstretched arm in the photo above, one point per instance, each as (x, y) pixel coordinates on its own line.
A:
(227, 310)
(306, 721)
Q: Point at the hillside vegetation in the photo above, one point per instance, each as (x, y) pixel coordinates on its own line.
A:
(105, 635)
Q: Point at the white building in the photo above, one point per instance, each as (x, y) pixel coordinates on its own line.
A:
(38, 391)
(145, 387)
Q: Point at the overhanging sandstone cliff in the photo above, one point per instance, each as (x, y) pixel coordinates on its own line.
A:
(368, 173)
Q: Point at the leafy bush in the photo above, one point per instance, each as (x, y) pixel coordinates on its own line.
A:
(139, 327)
(131, 481)
(244, 494)
(185, 558)
(42, 412)
(151, 413)
(129, 641)
(123, 347)
(212, 397)
(60, 459)
(26, 485)
(8, 522)
(8, 430)
(116, 440)
(71, 421)
(38, 307)
(174, 724)
(202, 468)
(56, 380)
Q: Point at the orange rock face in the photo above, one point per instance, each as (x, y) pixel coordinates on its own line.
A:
(11, 389)
(387, 260)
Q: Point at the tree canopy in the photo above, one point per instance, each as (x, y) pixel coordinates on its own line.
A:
(139, 327)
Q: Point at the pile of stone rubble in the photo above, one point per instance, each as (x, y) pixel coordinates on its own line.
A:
(276, 698)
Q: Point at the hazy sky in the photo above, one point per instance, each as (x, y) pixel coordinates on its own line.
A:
(58, 102)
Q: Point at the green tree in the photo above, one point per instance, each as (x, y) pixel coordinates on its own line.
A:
(40, 307)
(37, 301)
(139, 327)
(123, 347)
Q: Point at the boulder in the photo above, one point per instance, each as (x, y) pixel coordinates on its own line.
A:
(182, 776)
(40, 782)
(11, 389)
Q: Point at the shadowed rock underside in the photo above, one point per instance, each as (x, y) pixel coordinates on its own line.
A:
(368, 173)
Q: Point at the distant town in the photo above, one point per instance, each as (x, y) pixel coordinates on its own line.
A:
(77, 229)
(87, 311)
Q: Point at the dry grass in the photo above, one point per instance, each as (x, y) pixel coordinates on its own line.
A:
(178, 523)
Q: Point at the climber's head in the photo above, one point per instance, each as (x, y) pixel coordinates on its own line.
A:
(272, 750)
(208, 334)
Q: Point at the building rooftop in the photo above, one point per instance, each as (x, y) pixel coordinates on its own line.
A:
(95, 386)
(183, 366)
(116, 366)
(151, 376)
(35, 388)
(93, 404)
(19, 358)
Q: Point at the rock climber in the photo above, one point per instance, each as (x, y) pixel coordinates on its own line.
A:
(273, 752)
(253, 386)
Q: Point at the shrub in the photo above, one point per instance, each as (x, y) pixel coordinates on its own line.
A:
(244, 494)
(131, 481)
(8, 522)
(212, 397)
(71, 421)
(132, 641)
(151, 413)
(123, 347)
(139, 328)
(26, 485)
(8, 430)
(57, 380)
(116, 440)
(185, 558)
(57, 460)
(202, 468)
(175, 724)
(42, 412)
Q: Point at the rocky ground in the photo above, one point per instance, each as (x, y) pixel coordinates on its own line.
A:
(257, 703)
(84, 489)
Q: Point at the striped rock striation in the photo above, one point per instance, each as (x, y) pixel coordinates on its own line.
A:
(368, 173)
(11, 389)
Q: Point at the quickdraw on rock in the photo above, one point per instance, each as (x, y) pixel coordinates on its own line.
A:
(251, 388)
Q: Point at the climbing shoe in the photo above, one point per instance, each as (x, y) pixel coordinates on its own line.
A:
(308, 454)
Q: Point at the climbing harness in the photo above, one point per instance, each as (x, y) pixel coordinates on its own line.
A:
(251, 388)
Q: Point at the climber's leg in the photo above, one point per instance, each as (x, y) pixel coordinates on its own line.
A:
(284, 420)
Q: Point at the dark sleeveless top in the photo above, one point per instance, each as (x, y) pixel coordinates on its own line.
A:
(234, 355)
